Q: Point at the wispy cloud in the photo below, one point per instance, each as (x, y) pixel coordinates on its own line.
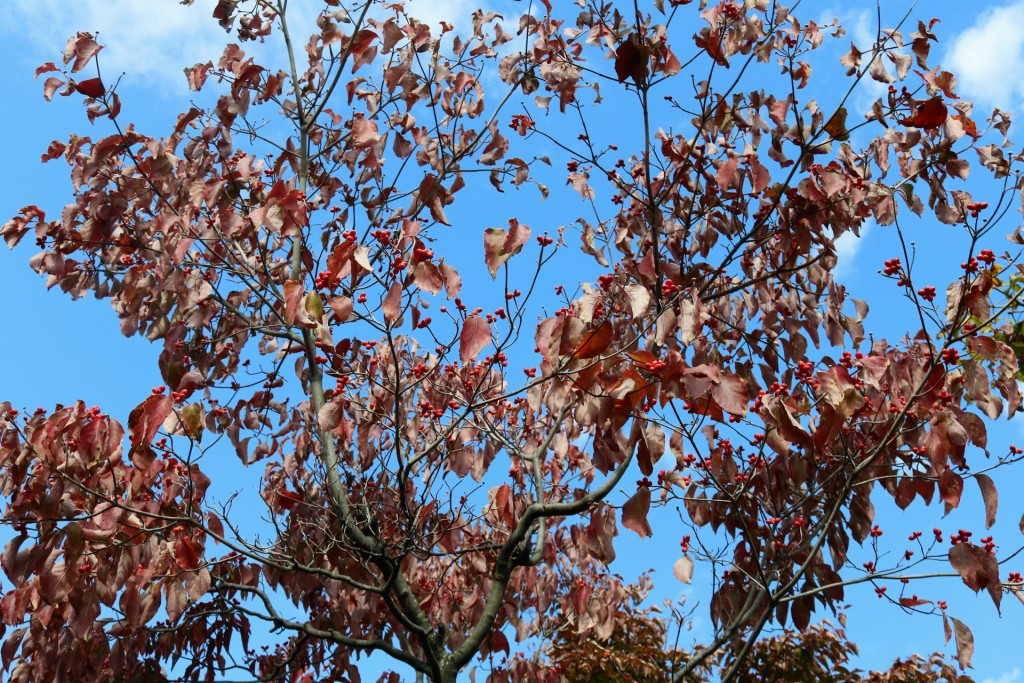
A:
(150, 42)
(1008, 677)
(987, 55)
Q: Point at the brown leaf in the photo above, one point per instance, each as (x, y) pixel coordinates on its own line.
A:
(731, 394)
(631, 61)
(364, 132)
(191, 417)
(634, 512)
(639, 299)
(990, 496)
(964, 643)
(501, 245)
(951, 487)
(50, 86)
(81, 48)
(476, 334)
(978, 568)
(913, 602)
(836, 126)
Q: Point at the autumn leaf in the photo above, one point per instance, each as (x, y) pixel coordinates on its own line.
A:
(683, 569)
(631, 61)
(990, 497)
(391, 307)
(913, 602)
(145, 420)
(595, 341)
(639, 299)
(80, 49)
(186, 553)
(964, 643)
(928, 114)
(91, 88)
(293, 291)
(978, 568)
(476, 334)
(634, 512)
(501, 245)
(951, 487)
(836, 126)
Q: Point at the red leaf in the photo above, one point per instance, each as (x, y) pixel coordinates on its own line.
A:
(287, 500)
(46, 68)
(361, 40)
(499, 643)
(81, 48)
(364, 132)
(392, 306)
(186, 553)
(978, 568)
(642, 357)
(929, 114)
(913, 602)
(476, 334)
(91, 88)
(50, 86)
(501, 245)
(634, 512)
(631, 61)
(990, 496)
(595, 341)
(293, 291)
(731, 394)
(951, 487)
(145, 420)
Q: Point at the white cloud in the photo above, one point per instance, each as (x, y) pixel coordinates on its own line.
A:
(987, 56)
(1008, 677)
(847, 247)
(150, 42)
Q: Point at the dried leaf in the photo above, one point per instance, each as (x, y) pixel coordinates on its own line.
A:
(990, 496)
(391, 307)
(683, 569)
(978, 568)
(500, 245)
(639, 299)
(964, 643)
(951, 487)
(634, 512)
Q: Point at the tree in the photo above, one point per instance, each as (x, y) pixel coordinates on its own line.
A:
(444, 468)
(636, 652)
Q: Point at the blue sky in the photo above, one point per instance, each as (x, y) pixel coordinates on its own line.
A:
(58, 351)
